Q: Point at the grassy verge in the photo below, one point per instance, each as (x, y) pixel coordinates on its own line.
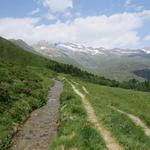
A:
(130, 136)
(74, 129)
(22, 89)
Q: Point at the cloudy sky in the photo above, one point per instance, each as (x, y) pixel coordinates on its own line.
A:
(97, 23)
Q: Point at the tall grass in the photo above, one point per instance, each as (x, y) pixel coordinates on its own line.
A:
(22, 90)
(74, 130)
(130, 136)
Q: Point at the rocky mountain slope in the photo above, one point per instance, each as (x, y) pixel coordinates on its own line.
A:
(117, 63)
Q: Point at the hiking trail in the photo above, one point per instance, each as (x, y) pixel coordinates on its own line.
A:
(111, 144)
(41, 127)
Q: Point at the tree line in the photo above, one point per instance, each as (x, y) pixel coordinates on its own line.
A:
(86, 76)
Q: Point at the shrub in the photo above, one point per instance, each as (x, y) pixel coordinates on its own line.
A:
(4, 95)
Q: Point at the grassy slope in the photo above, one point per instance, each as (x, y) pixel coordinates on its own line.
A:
(130, 136)
(74, 129)
(122, 68)
(13, 53)
(24, 84)
(23, 45)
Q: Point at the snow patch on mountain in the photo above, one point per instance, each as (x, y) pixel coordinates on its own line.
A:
(66, 47)
(71, 49)
(146, 50)
(42, 47)
(47, 49)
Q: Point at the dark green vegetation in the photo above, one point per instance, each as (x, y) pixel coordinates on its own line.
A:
(86, 76)
(130, 136)
(13, 53)
(25, 79)
(74, 129)
(136, 85)
(24, 84)
(23, 45)
(22, 89)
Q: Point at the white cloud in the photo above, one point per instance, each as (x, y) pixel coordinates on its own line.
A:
(118, 30)
(57, 8)
(58, 5)
(50, 16)
(127, 3)
(147, 38)
(67, 14)
(78, 14)
(35, 11)
(18, 27)
(130, 5)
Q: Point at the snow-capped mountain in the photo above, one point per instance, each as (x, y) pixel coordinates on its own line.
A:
(146, 50)
(116, 63)
(69, 47)
(59, 49)
(47, 49)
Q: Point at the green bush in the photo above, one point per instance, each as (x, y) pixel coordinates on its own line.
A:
(4, 95)
(17, 87)
(21, 91)
(20, 110)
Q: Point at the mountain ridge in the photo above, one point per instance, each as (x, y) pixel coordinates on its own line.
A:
(119, 64)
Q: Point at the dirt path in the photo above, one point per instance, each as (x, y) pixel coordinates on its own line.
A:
(41, 127)
(85, 90)
(109, 140)
(83, 87)
(136, 120)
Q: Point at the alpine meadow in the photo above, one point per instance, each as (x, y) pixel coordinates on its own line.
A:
(75, 75)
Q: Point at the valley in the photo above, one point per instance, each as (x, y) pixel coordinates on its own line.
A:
(75, 75)
(118, 64)
(94, 112)
(117, 130)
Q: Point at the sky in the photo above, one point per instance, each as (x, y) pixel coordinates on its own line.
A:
(97, 23)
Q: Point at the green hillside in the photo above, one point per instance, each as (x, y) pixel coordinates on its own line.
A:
(103, 99)
(123, 68)
(24, 84)
(11, 52)
(129, 135)
(26, 78)
(23, 45)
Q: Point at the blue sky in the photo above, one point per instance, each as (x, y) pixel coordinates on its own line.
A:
(107, 23)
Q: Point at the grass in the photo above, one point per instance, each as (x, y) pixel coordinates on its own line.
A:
(74, 130)
(130, 136)
(24, 84)
(13, 53)
(22, 89)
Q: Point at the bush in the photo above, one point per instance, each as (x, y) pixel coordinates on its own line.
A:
(18, 87)
(4, 95)
(20, 110)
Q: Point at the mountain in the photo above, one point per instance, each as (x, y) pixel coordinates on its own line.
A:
(145, 73)
(51, 51)
(70, 47)
(119, 64)
(13, 53)
(23, 45)
(46, 49)
(24, 85)
(25, 81)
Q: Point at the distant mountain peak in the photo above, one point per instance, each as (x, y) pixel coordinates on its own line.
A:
(46, 48)
(146, 50)
(70, 47)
